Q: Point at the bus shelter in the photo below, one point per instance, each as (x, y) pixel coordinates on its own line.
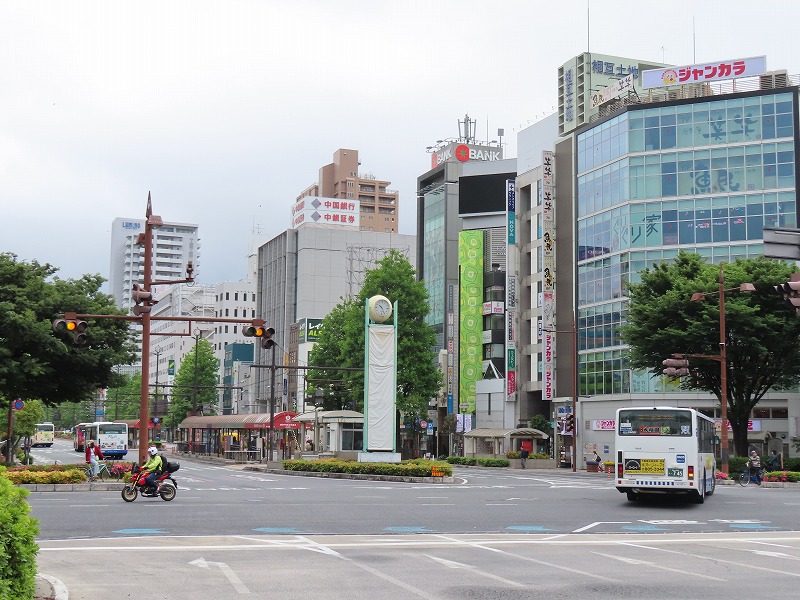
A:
(239, 437)
(494, 443)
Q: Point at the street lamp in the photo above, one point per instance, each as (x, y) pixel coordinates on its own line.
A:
(574, 332)
(723, 358)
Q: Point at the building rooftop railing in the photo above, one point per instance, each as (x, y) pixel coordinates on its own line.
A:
(768, 81)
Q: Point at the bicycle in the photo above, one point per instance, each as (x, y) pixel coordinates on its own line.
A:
(749, 474)
(103, 474)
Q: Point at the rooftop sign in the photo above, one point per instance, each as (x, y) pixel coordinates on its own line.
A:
(717, 71)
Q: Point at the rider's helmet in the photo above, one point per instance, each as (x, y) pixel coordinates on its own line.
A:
(152, 450)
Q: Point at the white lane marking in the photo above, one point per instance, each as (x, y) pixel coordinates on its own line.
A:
(590, 525)
(237, 583)
(634, 561)
(451, 564)
(748, 566)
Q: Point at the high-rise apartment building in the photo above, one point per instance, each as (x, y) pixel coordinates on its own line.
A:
(174, 245)
(343, 180)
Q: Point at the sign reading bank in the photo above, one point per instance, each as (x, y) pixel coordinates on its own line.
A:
(332, 211)
(465, 153)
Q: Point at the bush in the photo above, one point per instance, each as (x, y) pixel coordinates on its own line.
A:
(412, 468)
(785, 476)
(462, 460)
(493, 462)
(17, 546)
(44, 477)
(512, 454)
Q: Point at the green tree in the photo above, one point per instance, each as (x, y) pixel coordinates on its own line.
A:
(194, 390)
(123, 400)
(761, 330)
(341, 341)
(34, 362)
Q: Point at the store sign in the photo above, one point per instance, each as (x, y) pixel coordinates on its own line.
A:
(615, 90)
(703, 73)
(604, 425)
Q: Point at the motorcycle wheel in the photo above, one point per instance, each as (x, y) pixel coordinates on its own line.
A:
(168, 492)
(129, 493)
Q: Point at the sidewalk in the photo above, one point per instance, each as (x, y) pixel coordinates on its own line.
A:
(50, 588)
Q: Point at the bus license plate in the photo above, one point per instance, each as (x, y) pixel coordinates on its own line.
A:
(675, 472)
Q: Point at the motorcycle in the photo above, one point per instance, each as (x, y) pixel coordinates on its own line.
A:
(166, 487)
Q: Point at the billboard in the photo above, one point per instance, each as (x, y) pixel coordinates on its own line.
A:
(703, 73)
(330, 211)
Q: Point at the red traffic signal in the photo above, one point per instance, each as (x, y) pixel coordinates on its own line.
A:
(71, 324)
(569, 425)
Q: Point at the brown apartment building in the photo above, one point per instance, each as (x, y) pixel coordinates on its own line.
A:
(342, 179)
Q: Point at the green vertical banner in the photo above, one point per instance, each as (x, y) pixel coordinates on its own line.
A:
(470, 339)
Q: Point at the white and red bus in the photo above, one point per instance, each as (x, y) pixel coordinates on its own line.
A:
(79, 436)
(664, 450)
(111, 437)
(44, 435)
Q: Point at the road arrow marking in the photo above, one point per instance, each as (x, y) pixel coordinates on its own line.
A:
(772, 554)
(226, 570)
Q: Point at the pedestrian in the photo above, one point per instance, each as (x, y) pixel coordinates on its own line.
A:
(93, 452)
(523, 456)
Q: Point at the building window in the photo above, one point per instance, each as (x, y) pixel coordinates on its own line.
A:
(352, 436)
(236, 295)
(226, 311)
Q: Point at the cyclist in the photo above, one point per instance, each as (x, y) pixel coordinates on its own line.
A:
(153, 466)
(93, 452)
(755, 465)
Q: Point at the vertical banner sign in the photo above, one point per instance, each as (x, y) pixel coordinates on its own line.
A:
(548, 272)
(511, 288)
(470, 330)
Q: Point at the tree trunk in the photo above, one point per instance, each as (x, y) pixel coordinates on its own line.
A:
(739, 438)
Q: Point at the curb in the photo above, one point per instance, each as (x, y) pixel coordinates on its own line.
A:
(50, 588)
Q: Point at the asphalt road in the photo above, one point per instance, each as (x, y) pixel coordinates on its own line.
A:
(492, 534)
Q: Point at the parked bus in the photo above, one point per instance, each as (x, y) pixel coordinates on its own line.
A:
(664, 450)
(44, 435)
(79, 436)
(111, 437)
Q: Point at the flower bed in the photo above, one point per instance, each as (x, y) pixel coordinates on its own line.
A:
(412, 468)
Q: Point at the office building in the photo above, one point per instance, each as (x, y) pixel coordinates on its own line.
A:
(174, 245)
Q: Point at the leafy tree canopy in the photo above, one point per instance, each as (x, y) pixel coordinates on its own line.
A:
(341, 342)
(761, 330)
(34, 362)
(195, 384)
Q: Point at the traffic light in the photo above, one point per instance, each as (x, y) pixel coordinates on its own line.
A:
(791, 294)
(569, 427)
(71, 324)
(677, 366)
(143, 299)
(256, 329)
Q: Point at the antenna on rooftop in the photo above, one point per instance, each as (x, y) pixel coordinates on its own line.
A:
(466, 130)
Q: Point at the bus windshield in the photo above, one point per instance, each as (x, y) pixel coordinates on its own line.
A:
(45, 427)
(648, 422)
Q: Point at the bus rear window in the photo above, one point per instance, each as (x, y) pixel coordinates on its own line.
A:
(655, 423)
(112, 428)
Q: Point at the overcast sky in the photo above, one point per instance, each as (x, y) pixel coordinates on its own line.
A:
(226, 110)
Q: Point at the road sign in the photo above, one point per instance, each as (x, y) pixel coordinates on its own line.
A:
(19, 405)
(423, 424)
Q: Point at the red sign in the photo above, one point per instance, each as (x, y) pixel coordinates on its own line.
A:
(423, 424)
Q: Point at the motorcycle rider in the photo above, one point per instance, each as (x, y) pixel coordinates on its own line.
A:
(154, 467)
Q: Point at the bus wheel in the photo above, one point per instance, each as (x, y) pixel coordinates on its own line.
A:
(713, 486)
(701, 492)
(632, 496)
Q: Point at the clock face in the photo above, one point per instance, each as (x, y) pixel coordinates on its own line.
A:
(380, 309)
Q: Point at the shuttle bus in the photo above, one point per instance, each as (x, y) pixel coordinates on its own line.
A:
(664, 450)
(79, 436)
(111, 437)
(43, 436)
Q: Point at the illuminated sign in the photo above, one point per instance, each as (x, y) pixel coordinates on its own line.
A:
(717, 71)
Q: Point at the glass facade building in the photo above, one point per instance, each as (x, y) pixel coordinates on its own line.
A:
(704, 175)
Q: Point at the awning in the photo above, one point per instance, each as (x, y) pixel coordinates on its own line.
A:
(283, 420)
(520, 432)
(342, 416)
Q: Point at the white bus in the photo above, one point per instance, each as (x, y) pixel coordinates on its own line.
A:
(43, 436)
(111, 437)
(664, 450)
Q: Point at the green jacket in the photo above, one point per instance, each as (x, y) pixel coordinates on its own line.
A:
(153, 464)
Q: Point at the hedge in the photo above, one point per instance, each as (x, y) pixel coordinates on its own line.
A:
(412, 468)
(17, 546)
